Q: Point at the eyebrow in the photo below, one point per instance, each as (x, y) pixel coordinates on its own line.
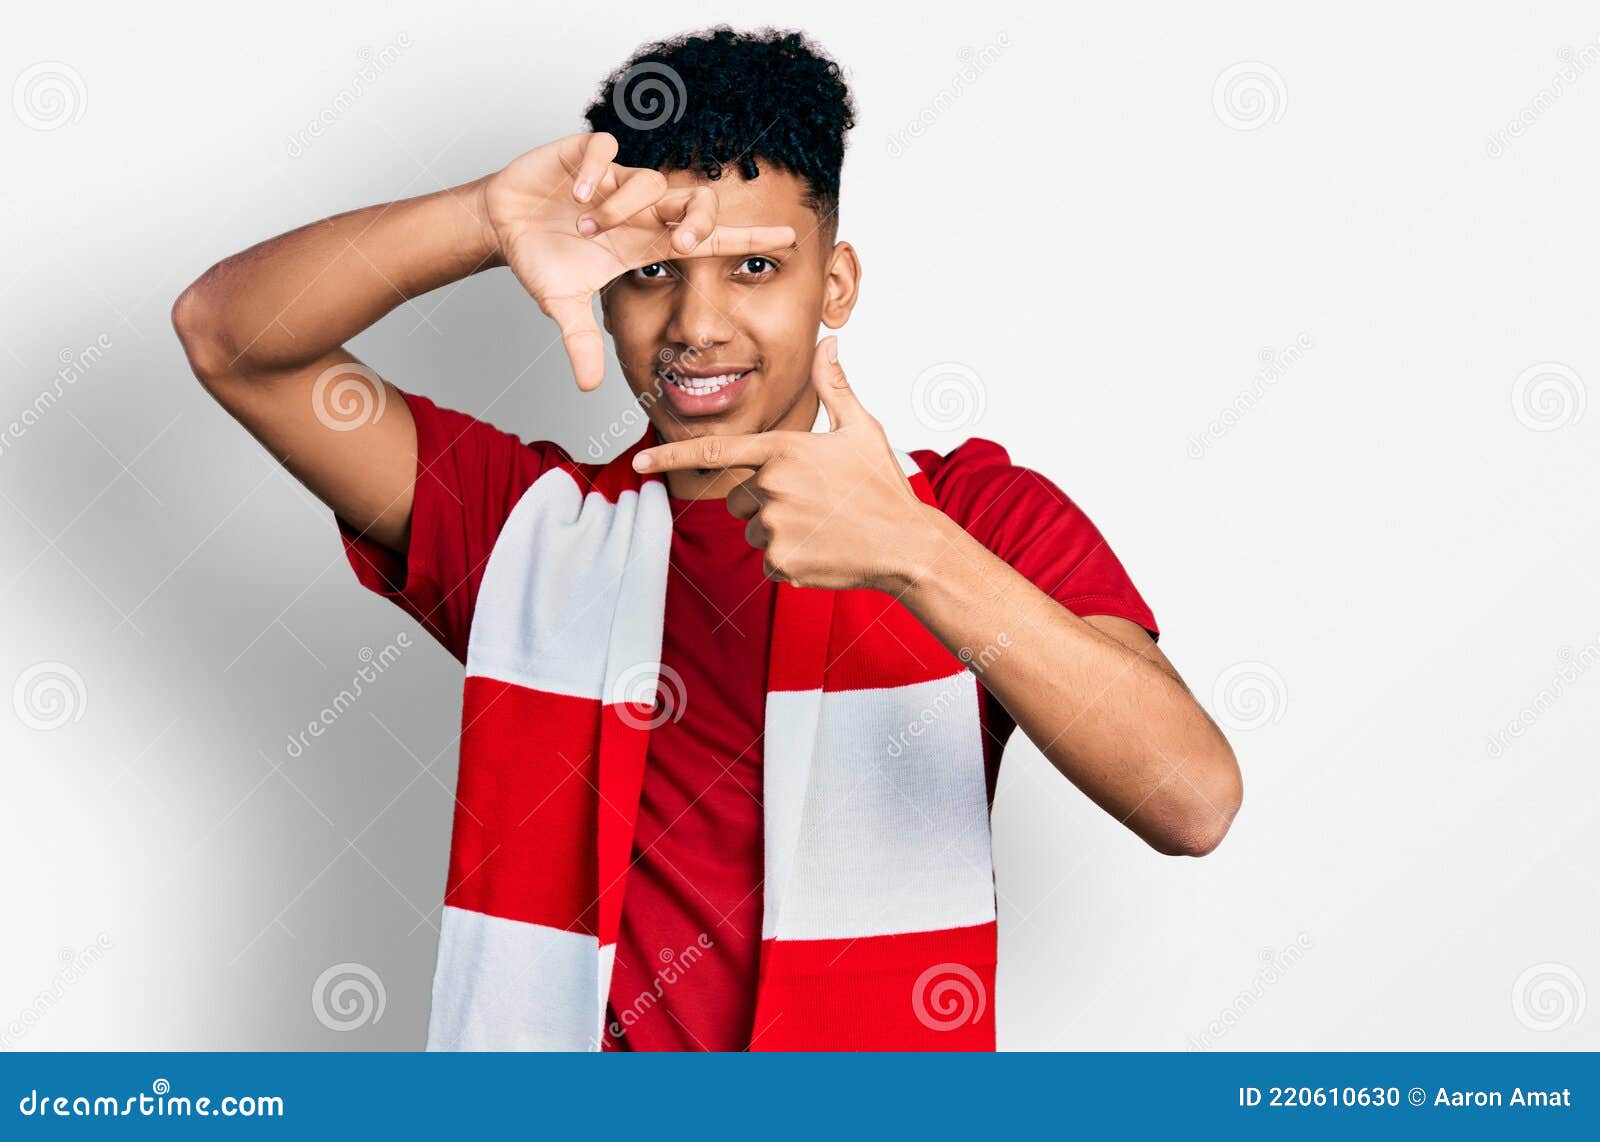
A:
(789, 249)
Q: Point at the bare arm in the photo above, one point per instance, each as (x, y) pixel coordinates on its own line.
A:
(1095, 694)
(832, 510)
(265, 329)
(262, 327)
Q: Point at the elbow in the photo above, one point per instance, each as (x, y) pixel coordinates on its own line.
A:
(1202, 839)
(194, 320)
(1204, 820)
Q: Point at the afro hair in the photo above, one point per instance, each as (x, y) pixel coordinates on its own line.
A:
(710, 100)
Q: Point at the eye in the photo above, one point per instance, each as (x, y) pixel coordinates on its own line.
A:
(758, 267)
(655, 271)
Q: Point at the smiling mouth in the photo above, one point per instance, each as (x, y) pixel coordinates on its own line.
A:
(701, 386)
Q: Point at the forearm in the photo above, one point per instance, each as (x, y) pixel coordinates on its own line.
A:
(286, 302)
(1117, 724)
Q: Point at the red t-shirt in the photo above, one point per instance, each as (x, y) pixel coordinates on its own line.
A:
(685, 976)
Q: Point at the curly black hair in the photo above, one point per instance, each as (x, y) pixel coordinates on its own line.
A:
(711, 99)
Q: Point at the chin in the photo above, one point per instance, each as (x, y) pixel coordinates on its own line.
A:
(732, 423)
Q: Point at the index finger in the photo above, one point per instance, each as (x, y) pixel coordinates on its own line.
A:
(722, 242)
(713, 452)
(732, 241)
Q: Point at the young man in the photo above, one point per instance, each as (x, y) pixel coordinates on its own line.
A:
(759, 669)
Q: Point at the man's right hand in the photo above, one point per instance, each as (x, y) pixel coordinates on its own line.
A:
(567, 220)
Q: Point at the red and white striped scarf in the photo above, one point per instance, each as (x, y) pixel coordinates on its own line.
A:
(878, 928)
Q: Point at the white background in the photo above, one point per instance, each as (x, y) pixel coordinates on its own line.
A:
(1391, 552)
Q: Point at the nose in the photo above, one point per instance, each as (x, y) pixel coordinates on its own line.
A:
(700, 319)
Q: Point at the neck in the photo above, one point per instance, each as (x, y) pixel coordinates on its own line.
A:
(715, 484)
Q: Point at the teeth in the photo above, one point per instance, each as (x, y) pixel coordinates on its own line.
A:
(701, 386)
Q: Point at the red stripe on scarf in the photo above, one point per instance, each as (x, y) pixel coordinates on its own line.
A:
(922, 991)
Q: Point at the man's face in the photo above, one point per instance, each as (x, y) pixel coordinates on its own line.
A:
(724, 344)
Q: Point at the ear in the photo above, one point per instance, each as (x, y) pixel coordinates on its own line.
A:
(841, 285)
(605, 310)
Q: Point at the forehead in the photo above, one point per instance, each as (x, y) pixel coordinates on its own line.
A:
(773, 198)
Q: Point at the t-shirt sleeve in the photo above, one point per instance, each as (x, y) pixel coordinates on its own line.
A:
(1035, 527)
(470, 475)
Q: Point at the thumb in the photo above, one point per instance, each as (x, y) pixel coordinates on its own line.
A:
(833, 388)
(586, 348)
